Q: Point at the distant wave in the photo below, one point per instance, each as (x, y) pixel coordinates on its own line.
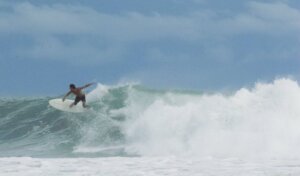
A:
(263, 121)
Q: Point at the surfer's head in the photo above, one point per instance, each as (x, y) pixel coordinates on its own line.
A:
(72, 86)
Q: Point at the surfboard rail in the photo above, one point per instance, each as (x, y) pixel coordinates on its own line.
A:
(65, 105)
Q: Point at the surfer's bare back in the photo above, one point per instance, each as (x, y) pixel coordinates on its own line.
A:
(80, 96)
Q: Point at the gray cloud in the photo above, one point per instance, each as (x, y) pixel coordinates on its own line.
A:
(68, 32)
(192, 43)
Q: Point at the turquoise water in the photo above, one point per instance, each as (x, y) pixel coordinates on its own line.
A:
(30, 127)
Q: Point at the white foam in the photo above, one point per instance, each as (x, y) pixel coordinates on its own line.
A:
(81, 149)
(97, 93)
(146, 166)
(262, 122)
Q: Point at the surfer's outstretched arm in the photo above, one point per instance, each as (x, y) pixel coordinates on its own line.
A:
(66, 95)
(87, 85)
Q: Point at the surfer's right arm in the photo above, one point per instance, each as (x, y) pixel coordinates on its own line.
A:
(66, 95)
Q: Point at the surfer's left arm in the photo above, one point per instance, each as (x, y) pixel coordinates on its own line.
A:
(87, 85)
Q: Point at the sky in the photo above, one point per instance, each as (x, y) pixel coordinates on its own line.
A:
(204, 45)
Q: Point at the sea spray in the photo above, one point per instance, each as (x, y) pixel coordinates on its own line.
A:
(260, 122)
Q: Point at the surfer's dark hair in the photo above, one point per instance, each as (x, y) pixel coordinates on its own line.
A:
(72, 86)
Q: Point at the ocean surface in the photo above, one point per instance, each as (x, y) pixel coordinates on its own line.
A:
(135, 130)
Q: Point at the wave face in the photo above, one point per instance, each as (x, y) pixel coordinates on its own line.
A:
(132, 120)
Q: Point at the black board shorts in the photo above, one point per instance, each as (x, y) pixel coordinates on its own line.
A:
(79, 98)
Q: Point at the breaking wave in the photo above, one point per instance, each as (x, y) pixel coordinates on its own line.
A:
(132, 120)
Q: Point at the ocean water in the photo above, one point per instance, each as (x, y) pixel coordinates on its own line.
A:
(135, 130)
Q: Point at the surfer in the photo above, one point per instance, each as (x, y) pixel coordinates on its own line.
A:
(80, 96)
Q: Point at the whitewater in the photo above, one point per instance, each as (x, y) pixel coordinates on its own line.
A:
(135, 130)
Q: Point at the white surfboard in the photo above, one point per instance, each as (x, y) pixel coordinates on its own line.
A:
(65, 105)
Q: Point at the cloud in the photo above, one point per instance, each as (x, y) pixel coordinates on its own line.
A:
(63, 19)
(278, 12)
(77, 53)
(271, 18)
(57, 19)
(70, 32)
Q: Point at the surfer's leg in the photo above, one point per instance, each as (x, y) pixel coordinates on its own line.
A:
(71, 105)
(84, 102)
(84, 105)
(77, 99)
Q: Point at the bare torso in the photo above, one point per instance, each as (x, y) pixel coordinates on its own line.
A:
(77, 92)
